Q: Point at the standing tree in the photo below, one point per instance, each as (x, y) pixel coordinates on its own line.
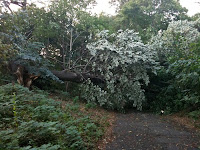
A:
(148, 17)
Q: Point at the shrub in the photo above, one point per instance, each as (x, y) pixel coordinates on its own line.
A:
(31, 120)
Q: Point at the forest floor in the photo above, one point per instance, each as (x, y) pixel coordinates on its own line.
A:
(145, 131)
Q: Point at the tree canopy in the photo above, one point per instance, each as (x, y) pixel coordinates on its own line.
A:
(148, 17)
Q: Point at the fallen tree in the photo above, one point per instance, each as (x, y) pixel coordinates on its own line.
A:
(120, 61)
(25, 78)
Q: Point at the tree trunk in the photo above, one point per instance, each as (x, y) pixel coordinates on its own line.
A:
(77, 77)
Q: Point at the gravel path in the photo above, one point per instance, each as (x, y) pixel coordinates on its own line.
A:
(142, 131)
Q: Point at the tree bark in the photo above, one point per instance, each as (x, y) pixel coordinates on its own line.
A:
(77, 77)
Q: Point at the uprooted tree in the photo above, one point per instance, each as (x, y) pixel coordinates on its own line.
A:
(113, 73)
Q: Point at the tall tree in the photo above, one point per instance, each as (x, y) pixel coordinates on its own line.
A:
(148, 17)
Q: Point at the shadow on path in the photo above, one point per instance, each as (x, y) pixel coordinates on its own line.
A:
(142, 131)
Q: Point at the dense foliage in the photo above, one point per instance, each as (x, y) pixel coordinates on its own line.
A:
(178, 49)
(123, 60)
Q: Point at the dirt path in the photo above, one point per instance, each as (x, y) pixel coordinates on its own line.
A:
(142, 131)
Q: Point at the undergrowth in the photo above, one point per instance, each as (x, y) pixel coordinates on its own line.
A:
(30, 120)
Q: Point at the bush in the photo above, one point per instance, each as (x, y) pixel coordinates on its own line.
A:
(179, 47)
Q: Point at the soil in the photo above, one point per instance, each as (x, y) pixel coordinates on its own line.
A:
(144, 131)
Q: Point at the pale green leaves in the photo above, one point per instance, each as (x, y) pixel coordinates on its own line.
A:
(123, 60)
(177, 38)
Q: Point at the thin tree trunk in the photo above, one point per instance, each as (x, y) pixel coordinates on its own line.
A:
(70, 55)
(70, 47)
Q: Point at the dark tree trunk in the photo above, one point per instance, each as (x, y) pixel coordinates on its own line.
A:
(77, 77)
